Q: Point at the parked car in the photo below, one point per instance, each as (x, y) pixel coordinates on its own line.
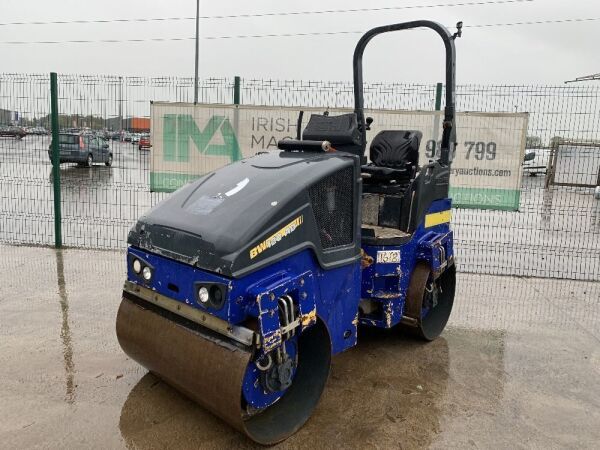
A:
(38, 131)
(14, 132)
(102, 134)
(126, 137)
(135, 138)
(83, 149)
(536, 161)
(144, 142)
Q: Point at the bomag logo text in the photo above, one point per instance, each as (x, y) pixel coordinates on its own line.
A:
(276, 237)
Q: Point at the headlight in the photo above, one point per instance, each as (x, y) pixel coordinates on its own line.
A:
(137, 266)
(203, 294)
(210, 295)
(147, 273)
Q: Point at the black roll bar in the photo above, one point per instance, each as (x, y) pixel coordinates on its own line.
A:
(449, 112)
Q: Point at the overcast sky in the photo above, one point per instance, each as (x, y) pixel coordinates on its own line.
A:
(544, 53)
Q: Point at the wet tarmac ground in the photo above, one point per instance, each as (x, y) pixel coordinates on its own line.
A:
(517, 367)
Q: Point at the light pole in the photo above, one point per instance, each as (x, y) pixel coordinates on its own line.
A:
(197, 51)
(120, 104)
(595, 76)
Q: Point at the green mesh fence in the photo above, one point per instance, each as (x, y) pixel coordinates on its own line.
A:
(555, 233)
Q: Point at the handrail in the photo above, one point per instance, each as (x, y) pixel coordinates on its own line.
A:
(448, 135)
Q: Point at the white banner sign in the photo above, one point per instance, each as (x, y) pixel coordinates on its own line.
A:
(191, 140)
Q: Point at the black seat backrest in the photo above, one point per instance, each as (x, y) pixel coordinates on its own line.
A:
(396, 149)
(341, 131)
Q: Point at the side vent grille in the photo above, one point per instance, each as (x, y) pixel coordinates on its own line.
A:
(331, 200)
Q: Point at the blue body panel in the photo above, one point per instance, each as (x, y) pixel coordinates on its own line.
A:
(333, 295)
(387, 283)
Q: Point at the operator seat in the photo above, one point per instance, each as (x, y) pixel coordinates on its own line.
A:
(386, 212)
(394, 157)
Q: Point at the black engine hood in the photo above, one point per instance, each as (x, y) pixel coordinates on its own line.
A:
(215, 221)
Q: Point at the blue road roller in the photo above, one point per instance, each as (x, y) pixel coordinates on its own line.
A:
(244, 283)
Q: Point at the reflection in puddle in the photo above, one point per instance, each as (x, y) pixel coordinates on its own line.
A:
(390, 391)
(157, 416)
(65, 331)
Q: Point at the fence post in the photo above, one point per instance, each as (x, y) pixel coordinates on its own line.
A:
(551, 165)
(236, 90)
(438, 96)
(55, 159)
(236, 102)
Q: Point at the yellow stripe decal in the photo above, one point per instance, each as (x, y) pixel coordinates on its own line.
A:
(434, 219)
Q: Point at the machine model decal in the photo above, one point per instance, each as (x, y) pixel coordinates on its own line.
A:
(434, 219)
(388, 256)
(276, 237)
